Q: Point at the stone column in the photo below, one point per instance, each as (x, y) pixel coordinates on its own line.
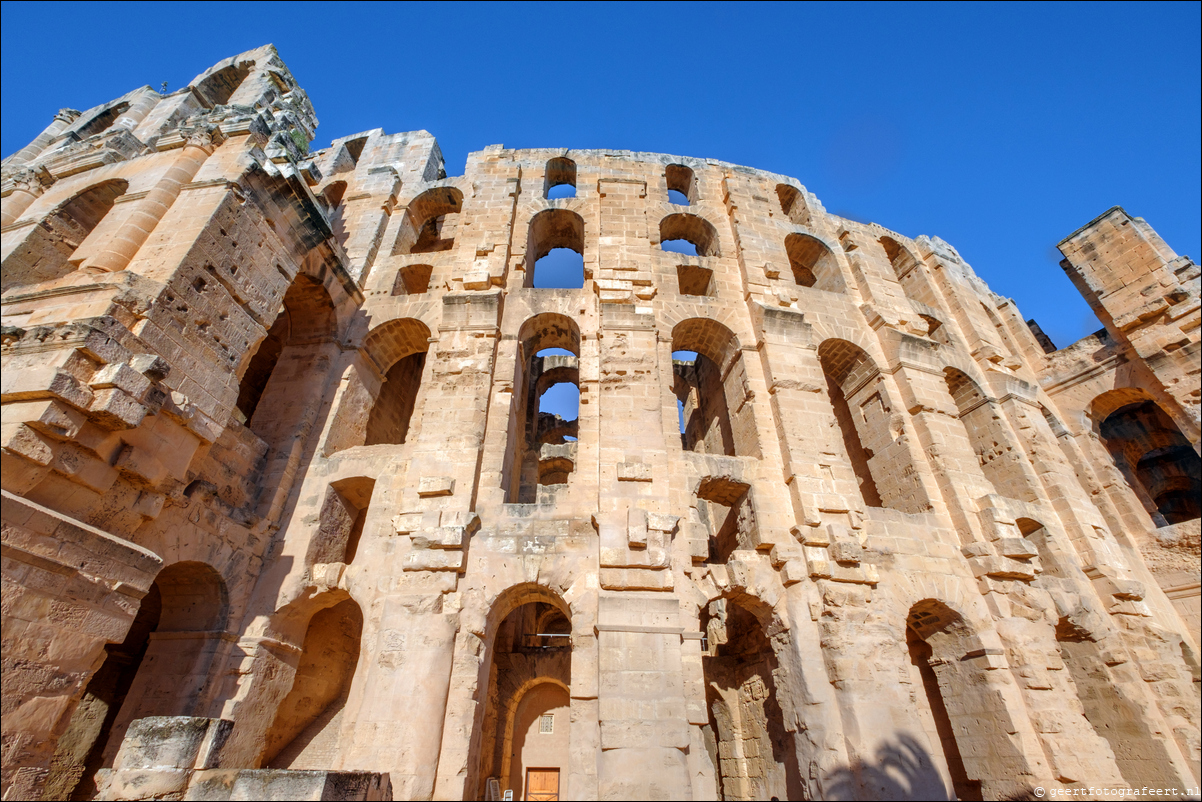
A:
(200, 141)
(394, 721)
(139, 107)
(62, 120)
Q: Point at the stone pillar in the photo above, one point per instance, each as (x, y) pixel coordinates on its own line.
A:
(62, 120)
(139, 107)
(200, 141)
(394, 721)
(585, 734)
(819, 740)
(644, 726)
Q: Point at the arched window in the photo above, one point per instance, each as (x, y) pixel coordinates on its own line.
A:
(398, 348)
(545, 409)
(1002, 464)
(312, 711)
(900, 258)
(846, 365)
(306, 319)
(52, 249)
(813, 263)
(555, 250)
(712, 391)
(100, 122)
(430, 222)
(218, 87)
(682, 185)
(332, 196)
(560, 181)
(793, 204)
(700, 236)
(1157, 460)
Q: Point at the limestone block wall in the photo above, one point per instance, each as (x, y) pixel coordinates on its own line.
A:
(829, 506)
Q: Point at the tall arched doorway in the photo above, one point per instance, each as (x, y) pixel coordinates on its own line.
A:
(526, 724)
(753, 754)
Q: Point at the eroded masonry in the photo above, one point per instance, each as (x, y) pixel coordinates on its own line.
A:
(286, 514)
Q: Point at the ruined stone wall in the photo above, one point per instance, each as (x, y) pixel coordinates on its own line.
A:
(900, 548)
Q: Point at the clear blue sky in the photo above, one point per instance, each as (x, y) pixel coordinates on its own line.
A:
(1001, 128)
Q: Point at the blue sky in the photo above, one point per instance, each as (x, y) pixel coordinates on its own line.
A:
(1001, 128)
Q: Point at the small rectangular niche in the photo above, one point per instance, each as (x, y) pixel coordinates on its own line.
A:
(412, 280)
(695, 280)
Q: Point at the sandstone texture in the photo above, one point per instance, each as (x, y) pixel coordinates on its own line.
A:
(283, 516)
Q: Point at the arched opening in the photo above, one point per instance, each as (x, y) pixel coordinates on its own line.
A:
(1157, 460)
(332, 197)
(813, 263)
(746, 738)
(193, 605)
(340, 523)
(526, 725)
(52, 248)
(845, 365)
(688, 234)
(267, 399)
(712, 390)
(560, 181)
(1007, 342)
(555, 250)
(682, 185)
(544, 423)
(393, 410)
(308, 721)
(937, 723)
(398, 348)
(413, 280)
(217, 89)
(793, 204)
(101, 122)
(354, 148)
(430, 222)
(725, 509)
(80, 750)
(986, 431)
(1141, 758)
(900, 258)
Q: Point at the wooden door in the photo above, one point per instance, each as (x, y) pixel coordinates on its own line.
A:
(542, 785)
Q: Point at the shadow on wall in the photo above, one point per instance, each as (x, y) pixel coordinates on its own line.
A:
(902, 769)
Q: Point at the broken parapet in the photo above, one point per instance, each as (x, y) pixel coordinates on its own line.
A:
(174, 757)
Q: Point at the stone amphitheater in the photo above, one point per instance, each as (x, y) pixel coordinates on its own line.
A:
(285, 515)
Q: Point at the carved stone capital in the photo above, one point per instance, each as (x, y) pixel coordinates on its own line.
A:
(202, 135)
(34, 180)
